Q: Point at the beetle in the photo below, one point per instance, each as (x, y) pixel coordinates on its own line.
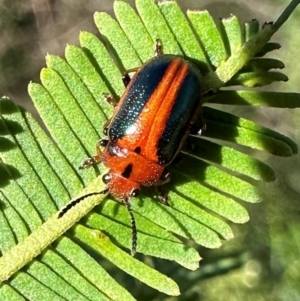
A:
(148, 128)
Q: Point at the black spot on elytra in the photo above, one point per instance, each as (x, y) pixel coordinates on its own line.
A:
(126, 173)
(137, 150)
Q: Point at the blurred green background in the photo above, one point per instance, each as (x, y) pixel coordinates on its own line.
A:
(263, 261)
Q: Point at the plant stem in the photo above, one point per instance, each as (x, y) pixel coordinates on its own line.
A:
(239, 58)
(37, 241)
(286, 14)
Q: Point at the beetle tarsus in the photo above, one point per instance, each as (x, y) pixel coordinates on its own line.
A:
(87, 163)
(203, 127)
(158, 48)
(126, 78)
(90, 161)
(109, 99)
(164, 199)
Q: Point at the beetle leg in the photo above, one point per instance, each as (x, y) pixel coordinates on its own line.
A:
(209, 93)
(95, 159)
(165, 178)
(105, 127)
(126, 78)
(110, 99)
(158, 48)
(158, 52)
(162, 196)
(202, 127)
(197, 126)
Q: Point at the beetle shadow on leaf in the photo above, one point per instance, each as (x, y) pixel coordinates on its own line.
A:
(220, 125)
(229, 128)
(6, 145)
(150, 194)
(7, 107)
(93, 61)
(7, 173)
(202, 66)
(9, 127)
(202, 149)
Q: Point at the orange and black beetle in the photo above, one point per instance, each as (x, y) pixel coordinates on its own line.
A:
(148, 127)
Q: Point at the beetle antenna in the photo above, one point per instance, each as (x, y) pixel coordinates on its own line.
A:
(133, 227)
(77, 201)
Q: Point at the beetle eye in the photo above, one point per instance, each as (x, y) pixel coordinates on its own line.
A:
(135, 193)
(106, 178)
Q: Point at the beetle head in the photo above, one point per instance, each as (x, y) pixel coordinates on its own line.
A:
(120, 187)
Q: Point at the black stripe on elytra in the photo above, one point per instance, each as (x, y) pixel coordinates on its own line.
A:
(183, 110)
(126, 173)
(144, 83)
